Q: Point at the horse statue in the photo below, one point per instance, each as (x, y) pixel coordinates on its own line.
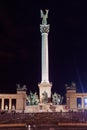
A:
(57, 99)
(32, 99)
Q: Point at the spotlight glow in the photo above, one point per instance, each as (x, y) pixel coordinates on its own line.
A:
(85, 100)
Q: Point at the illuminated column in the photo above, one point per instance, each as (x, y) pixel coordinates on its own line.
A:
(10, 104)
(45, 85)
(2, 103)
(83, 103)
(45, 69)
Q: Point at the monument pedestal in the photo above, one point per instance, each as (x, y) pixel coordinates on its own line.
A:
(45, 87)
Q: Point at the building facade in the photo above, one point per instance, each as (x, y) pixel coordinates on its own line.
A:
(75, 101)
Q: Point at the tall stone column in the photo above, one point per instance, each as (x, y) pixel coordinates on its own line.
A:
(45, 85)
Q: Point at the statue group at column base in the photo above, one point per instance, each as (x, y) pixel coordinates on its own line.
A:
(45, 92)
(45, 96)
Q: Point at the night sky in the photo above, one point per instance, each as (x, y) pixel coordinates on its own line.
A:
(20, 44)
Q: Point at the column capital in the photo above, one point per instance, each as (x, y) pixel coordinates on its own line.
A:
(44, 28)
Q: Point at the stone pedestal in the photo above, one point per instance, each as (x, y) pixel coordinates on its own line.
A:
(45, 87)
(21, 101)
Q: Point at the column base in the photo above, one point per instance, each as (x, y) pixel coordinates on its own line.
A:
(45, 87)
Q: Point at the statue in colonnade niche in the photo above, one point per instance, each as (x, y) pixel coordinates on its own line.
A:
(57, 99)
(6, 107)
(13, 108)
(32, 99)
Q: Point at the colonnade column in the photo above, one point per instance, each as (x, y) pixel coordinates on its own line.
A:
(2, 107)
(83, 103)
(10, 104)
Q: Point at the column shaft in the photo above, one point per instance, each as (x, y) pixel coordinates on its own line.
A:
(10, 104)
(45, 76)
(2, 104)
(83, 103)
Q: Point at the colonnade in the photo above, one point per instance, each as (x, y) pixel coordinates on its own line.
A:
(83, 102)
(6, 105)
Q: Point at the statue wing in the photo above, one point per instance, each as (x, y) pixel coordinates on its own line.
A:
(47, 13)
(41, 12)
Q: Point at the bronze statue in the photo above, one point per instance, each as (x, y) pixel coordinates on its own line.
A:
(57, 99)
(32, 99)
(45, 97)
(44, 16)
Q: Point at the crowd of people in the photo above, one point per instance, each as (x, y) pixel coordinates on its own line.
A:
(45, 117)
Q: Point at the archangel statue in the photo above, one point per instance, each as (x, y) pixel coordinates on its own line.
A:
(44, 16)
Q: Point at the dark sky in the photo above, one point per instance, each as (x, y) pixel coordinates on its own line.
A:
(20, 44)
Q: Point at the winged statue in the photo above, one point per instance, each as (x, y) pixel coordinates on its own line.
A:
(44, 16)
